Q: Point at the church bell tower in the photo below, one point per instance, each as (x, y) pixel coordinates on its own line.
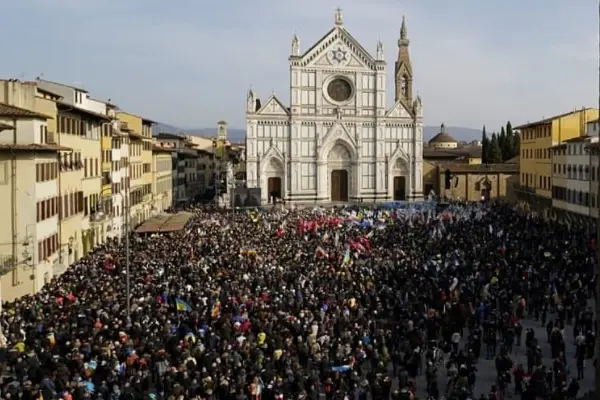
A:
(403, 70)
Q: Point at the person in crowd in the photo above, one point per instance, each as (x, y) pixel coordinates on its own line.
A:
(339, 303)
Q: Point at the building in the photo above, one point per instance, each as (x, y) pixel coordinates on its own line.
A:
(81, 123)
(536, 142)
(475, 182)
(575, 176)
(29, 173)
(185, 161)
(162, 178)
(139, 132)
(444, 149)
(338, 140)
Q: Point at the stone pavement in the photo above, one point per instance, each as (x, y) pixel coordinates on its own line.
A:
(486, 375)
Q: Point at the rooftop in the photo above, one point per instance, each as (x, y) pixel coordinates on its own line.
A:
(442, 137)
(482, 168)
(78, 88)
(461, 151)
(33, 147)
(549, 120)
(69, 107)
(9, 111)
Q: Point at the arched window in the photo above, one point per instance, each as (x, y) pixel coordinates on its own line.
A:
(404, 86)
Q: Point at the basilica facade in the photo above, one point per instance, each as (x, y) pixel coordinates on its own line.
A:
(338, 141)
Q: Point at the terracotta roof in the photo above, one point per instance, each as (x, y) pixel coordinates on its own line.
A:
(442, 137)
(514, 160)
(168, 135)
(33, 147)
(133, 134)
(164, 149)
(71, 108)
(119, 111)
(481, 168)
(462, 151)
(18, 112)
(582, 138)
(547, 121)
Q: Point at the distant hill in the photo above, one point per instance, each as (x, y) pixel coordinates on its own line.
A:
(239, 135)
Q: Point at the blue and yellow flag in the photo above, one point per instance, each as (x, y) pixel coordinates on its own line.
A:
(182, 305)
(347, 258)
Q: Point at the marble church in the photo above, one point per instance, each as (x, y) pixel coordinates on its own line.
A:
(338, 140)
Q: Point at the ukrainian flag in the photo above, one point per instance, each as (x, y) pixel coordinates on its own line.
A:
(346, 259)
(182, 305)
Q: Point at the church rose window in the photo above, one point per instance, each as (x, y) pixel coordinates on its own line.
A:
(339, 90)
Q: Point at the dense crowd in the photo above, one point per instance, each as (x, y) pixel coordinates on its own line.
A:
(304, 304)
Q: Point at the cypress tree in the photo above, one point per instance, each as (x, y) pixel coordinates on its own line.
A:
(485, 145)
(502, 142)
(495, 155)
(514, 140)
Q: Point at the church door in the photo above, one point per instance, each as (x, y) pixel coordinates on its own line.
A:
(339, 185)
(399, 188)
(274, 187)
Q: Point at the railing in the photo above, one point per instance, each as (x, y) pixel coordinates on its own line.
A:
(7, 263)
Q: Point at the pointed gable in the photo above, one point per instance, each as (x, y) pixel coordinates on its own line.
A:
(273, 107)
(399, 110)
(338, 37)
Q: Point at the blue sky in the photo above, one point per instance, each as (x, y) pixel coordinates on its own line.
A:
(190, 63)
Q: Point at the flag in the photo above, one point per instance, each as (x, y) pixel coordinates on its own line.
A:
(320, 252)
(182, 305)
(216, 310)
(346, 259)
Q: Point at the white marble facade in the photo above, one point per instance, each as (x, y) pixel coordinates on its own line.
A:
(338, 141)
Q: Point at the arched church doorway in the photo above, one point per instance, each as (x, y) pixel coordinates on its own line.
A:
(339, 185)
(399, 188)
(274, 188)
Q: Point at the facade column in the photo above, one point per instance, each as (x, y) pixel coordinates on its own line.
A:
(322, 179)
(285, 190)
(354, 179)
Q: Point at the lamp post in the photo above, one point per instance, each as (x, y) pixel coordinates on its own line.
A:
(99, 216)
(598, 239)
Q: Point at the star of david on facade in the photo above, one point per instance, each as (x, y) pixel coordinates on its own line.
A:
(339, 55)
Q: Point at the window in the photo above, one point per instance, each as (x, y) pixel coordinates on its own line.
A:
(368, 176)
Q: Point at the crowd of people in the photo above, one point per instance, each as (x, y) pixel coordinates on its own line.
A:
(339, 303)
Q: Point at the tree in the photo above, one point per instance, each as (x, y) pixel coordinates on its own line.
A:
(485, 146)
(514, 140)
(502, 142)
(495, 155)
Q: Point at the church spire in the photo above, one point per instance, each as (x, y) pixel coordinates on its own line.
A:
(403, 68)
(403, 33)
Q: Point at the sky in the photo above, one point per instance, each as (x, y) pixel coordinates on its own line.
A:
(190, 63)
